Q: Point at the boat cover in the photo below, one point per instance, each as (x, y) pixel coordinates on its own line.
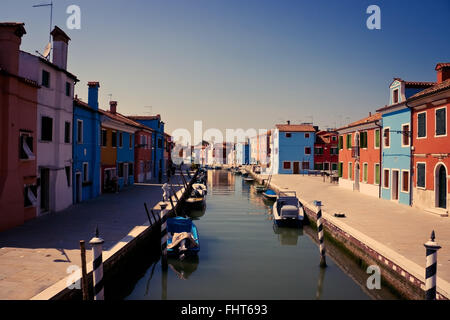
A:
(178, 237)
(178, 225)
(288, 211)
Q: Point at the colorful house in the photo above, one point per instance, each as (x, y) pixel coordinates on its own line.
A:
(396, 141)
(18, 133)
(143, 154)
(326, 152)
(360, 155)
(86, 146)
(431, 144)
(54, 123)
(264, 151)
(254, 149)
(242, 153)
(293, 148)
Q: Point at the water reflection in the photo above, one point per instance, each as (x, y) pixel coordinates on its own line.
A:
(184, 268)
(196, 214)
(287, 236)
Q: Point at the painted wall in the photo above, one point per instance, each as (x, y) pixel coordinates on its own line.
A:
(143, 156)
(125, 155)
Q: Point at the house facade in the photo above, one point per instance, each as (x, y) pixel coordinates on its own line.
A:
(143, 154)
(54, 123)
(86, 147)
(360, 155)
(242, 153)
(18, 133)
(431, 144)
(293, 148)
(326, 153)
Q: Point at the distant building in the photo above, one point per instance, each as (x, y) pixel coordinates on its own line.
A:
(86, 146)
(242, 153)
(293, 148)
(326, 152)
(18, 133)
(143, 154)
(360, 155)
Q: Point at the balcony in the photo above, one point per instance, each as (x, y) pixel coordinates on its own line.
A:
(355, 152)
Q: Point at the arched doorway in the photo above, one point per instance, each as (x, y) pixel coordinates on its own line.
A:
(441, 186)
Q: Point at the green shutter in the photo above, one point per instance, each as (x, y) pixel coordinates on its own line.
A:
(341, 167)
(377, 172)
(341, 142)
(366, 169)
(377, 138)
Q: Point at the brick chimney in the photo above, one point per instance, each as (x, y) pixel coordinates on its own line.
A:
(10, 39)
(60, 47)
(113, 107)
(289, 122)
(443, 72)
(93, 94)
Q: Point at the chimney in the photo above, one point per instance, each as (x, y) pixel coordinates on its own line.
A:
(370, 114)
(289, 122)
(93, 94)
(60, 48)
(113, 106)
(443, 72)
(10, 39)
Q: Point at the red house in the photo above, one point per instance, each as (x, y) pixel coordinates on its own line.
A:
(326, 152)
(431, 144)
(143, 154)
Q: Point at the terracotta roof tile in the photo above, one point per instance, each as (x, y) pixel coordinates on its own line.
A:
(295, 128)
(372, 118)
(434, 89)
(441, 65)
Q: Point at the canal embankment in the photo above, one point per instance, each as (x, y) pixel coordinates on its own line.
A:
(376, 232)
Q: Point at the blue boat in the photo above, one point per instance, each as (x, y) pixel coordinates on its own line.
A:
(179, 225)
(270, 194)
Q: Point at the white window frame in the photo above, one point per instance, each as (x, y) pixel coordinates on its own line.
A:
(402, 135)
(435, 122)
(399, 184)
(26, 148)
(290, 165)
(426, 125)
(86, 177)
(384, 140)
(425, 175)
(383, 180)
(374, 174)
(82, 131)
(409, 182)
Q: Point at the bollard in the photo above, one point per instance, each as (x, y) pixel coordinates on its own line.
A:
(323, 262)
(84, 280)
(164, 235)
(431, 267)
(97, 266)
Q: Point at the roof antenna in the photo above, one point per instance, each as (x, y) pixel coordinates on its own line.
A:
(51, 14)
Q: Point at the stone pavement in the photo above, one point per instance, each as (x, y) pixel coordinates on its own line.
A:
(37, 254)
(401, 228)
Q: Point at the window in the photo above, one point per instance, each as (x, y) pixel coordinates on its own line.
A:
(305, 165)
(333, 138)
(30, 196)
(377, 173)
(334, 151)
(422, 125)
(334, 166)
(318, 150)
(405, 135)
(67, 132)
(386, 178)
(45, 79)
(405, 181)
(286, 165)
(421, 175)
(130, 169)
(120, 139)
(377, 139)
(159, 143)
(349, 141)
(365, 172)
(131, 141)
(288, 135)
(120, 171)
(26, 147)
(318, 166)
(341, 169)
(68, 89)
(68, 175)
(114, 139)
(307, 150)
(79, 131)
(306, 135)
(441, 122)
(395, 96)
(341, 143)
(104, 137)
(350, 170)
(85, 172)
(386, 137)
(46, 129)
(363, 139)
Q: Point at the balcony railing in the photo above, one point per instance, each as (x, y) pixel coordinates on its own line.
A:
(355, 152)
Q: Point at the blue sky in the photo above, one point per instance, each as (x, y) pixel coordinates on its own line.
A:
(247, 63)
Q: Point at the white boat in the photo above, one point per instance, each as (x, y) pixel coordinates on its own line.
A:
(287, 210)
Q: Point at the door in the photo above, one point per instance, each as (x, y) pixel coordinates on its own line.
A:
(78, 187)
(395, 185)
(357, 176)
(296, 167)
(125, 174)
(442, 187)
(45, 190)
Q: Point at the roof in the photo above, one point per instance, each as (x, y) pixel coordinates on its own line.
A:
(126, 120)
(295, 128)
(415, 84)
(157, 117)
(441, 65)
(434, 89)
(54, 66)
(324, 136)
(369, 119)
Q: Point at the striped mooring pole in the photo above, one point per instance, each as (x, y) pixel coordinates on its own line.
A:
(164, 234)
(97, 247)
(319, 221)
(430, 271)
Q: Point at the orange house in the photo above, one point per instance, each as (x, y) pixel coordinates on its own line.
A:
(359, 155)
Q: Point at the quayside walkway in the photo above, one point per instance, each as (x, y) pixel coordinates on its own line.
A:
(394, 229)
(37, 254)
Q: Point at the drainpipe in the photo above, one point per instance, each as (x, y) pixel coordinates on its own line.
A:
(381, 156)
(411, 161)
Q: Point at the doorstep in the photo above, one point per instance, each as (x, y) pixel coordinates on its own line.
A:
(439, 211)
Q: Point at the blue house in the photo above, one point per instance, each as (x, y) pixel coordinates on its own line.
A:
(293, 148)
(243, 153)
(396, 141)
(155, 123)
(86, 146)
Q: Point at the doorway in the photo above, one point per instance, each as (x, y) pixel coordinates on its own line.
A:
(45, 189)
(441, 187)
(395, 178)
(296, 167)
(78, 187)
(125, 174)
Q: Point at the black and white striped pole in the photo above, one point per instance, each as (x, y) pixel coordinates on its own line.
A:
(319, 222)
(97, 247)
(430, 271)
(164, 234)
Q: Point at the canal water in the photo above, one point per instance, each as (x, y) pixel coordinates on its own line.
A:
(242, 256)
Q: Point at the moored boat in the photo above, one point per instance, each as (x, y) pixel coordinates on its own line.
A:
(287, 210)
(182, 237)
(270, 194)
